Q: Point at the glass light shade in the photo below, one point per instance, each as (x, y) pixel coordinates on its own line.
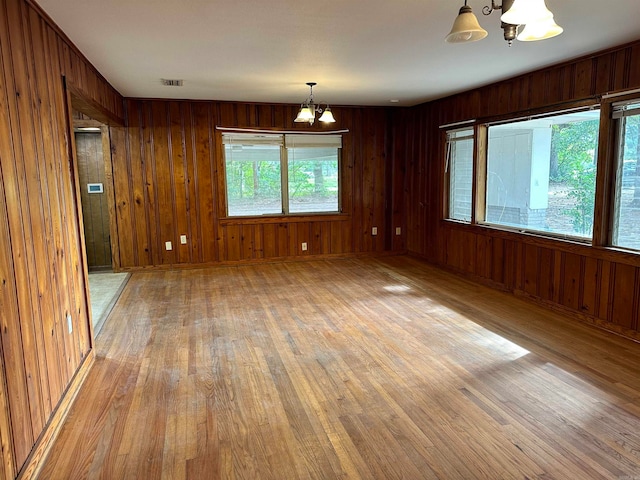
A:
(327, 116)
(523, 12)
(540, 30)
(304, 115)
(465, 28)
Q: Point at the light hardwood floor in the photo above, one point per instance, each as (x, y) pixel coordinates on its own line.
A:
(348, 369)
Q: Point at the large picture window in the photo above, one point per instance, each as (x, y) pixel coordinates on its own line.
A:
(626, 216)
(541, 174)
(459, 168)
(281, 174)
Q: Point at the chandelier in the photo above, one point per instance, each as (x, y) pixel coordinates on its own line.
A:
(308, 110)
(533, 16)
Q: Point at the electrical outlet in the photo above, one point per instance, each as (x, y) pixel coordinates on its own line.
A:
(304, 246)
(398, 231)
(168, 245)
(374, 230)
(183, 239)
(69, 323)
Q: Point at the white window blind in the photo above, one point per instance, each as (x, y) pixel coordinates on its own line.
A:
(313, 141)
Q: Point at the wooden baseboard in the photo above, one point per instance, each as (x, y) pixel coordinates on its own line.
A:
(40, 451)
(259, 261)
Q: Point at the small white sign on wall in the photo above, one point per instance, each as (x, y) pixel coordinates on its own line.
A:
(95, 188)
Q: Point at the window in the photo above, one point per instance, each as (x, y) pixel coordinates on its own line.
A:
(276, 174)
(626, 215)
(460, 171)
(541, 174)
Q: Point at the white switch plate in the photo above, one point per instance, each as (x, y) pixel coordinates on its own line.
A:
(374, 230)
(168, 246)
(304, 246)
(398, 231)
(69, 323)
(183, 239)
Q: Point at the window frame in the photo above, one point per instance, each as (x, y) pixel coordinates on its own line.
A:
(483, 154)
(615, 170)
(603, 163)
(604, 214)
(448, 159)
(223, 202)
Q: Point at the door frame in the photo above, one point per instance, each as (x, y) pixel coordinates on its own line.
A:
(76, 101)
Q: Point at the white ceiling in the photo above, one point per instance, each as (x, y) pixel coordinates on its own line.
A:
(360, 52)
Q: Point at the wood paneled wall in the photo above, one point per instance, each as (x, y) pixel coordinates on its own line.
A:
(168, 174)
(597, 284)
(41, 260)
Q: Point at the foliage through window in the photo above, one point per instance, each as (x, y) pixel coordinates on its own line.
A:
(626, 217)
(278, 174)
(460, 171)
(541, 174)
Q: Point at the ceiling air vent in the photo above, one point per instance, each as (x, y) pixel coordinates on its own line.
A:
(172, 83)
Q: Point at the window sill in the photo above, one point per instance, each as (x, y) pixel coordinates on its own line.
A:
(563, 237)
(265, 219)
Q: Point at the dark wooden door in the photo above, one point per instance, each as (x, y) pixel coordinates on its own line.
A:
(95, 209)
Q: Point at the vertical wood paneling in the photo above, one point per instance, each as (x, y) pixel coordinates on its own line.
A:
(41, 263)
(136, 198)
(583, 78)
(303, 235)
(604, 303)
(27, 175)
(270, 245)
(283, 240)
(180, 193)
(247, 241)
(621, 60)
(624, 294)
(53, 335)
(12, 368)
(632, 71)
(537, 90)
(510, 264)
(62, 345)
(162, 169)
(360, 224)
(178, 153)
(292, 238)
(124, 195)
(338, 239)
(232, 242)
(572, 276)
(318, 243)
(497, 261)
(202, 127)
(590, 281)
(258, 239)
(545, 273)
(530, 271)
(605, 72)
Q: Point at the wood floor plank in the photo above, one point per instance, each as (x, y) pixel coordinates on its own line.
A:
(347, 369)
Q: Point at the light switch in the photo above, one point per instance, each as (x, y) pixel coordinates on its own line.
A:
(168, 246)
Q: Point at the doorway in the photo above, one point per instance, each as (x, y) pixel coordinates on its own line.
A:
(97, 201)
